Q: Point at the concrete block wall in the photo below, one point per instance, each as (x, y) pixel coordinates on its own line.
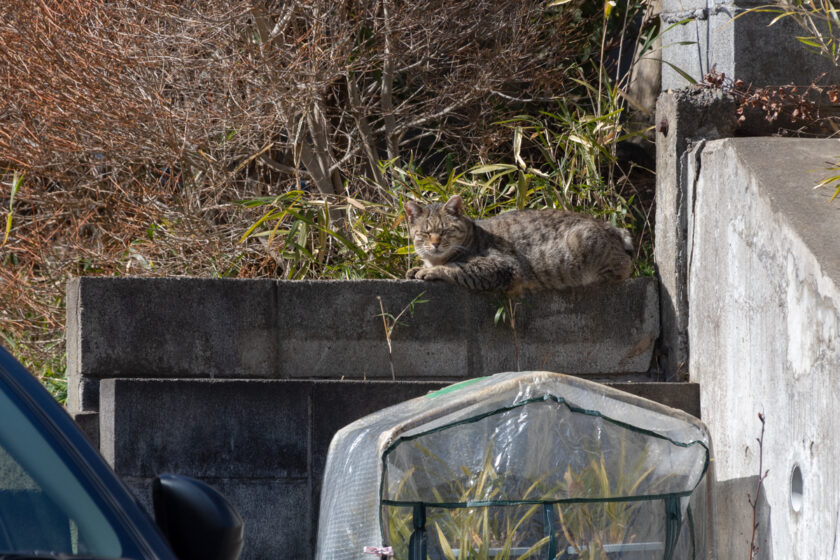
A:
(262, 443)
(264, 329)
(720, 34)
(763, 273)
(244, 383)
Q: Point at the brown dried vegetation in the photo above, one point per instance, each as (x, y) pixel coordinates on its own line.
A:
(786, 110)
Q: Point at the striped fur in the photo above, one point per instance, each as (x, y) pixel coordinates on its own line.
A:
(516, 251)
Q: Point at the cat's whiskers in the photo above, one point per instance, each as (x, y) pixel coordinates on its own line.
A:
(437, 255)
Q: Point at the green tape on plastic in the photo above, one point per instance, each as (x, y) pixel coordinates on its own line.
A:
(455, 387)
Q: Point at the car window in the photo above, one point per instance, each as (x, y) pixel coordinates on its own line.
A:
(44, 506)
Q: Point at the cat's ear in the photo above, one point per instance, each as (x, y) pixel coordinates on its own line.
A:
(454, 205)
(412, 210)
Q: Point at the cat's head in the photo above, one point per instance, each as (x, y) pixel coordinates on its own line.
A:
(439, 231)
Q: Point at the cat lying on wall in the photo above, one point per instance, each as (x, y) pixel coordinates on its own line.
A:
(517, 250)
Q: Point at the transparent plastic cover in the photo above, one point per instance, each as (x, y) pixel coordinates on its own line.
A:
(531, 464)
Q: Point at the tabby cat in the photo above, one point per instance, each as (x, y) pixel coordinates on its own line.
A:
(517, 250)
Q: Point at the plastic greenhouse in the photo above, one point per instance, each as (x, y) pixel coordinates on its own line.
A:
(518, 465)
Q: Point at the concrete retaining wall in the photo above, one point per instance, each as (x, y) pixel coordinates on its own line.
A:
(261, 443)
(244, 383)
(749, 262)
(763, 273)
(263, 329)
(686, 118)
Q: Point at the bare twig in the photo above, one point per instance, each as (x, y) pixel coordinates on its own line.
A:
(388, 84)
(367, 136)
(759, 485)
(389, 323)
(512, 306)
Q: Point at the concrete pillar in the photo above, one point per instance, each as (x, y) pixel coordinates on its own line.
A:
(720, 34)
(684, 118)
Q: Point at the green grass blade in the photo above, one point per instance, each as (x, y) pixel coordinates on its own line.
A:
(445, 547)
(685, 75)
(17, 180)
(484, 169)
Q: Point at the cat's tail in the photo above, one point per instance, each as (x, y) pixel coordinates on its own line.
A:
(625, 237)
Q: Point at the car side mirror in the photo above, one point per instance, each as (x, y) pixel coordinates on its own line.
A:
(199, 522)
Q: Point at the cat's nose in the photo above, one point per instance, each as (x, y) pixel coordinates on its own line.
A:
(434, 240)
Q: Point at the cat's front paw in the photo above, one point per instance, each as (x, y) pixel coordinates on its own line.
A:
(412, 272)
(432, 273)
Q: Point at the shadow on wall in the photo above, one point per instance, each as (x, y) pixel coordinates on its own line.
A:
(732, 509)
(671, 352)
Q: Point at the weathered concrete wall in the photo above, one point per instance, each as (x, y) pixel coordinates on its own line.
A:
(684, 118)
(244, 383)
(261, 443)
(740, 45)
(763, 273)
(264, 329)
